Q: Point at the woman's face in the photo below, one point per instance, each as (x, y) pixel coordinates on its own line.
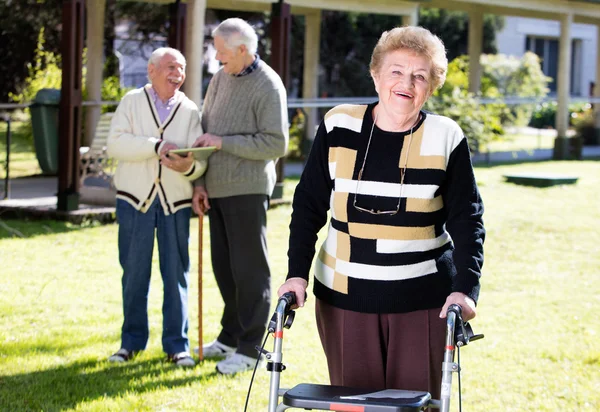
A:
(403, 82)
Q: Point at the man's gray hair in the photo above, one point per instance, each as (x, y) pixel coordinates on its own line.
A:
(236, 32)
(159, 53)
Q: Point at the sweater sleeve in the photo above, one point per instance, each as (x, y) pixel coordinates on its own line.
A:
(271, 140)
(310, 206)
(195, 130)
(122, 143)
(464, 221)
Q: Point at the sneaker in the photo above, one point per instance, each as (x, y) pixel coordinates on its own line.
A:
(236, 363)
(215, 350)
(122, 355)
(181, 359)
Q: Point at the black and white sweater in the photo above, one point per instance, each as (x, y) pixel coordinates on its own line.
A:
(408, 261)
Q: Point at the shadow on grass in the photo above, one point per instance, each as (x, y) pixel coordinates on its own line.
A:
(26, 228)
(483, 165)
(66, 387)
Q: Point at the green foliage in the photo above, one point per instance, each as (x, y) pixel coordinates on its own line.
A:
(453, 28)
(112, 91)
(21, 21)
(43, 72)
(585, 127)
(480, 123)
(503, 76)
(544, 114)
(297, 131)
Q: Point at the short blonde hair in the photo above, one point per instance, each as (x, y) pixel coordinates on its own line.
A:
(419, 40)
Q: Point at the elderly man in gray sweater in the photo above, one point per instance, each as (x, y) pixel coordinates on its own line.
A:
(245, 117)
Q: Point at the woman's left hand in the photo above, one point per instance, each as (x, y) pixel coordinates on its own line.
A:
(462, 300)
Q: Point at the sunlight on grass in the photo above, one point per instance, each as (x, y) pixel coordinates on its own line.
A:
(60, 301)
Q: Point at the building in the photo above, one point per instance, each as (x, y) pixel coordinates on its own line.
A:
(522, 34)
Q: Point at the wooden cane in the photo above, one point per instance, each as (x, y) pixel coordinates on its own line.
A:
(200, 221)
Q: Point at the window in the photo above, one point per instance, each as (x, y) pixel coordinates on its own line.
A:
(547, 49)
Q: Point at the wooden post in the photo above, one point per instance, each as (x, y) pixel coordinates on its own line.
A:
(69, 129)
(281, 26)
(200, 224)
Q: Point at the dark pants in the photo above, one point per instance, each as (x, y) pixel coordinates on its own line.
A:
(238, 238)
(383, 351)
(137, 232)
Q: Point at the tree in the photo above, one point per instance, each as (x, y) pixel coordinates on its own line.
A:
(453, 28)
(22, 21)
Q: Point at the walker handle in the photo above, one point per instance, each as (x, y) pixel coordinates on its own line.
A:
(290, 298)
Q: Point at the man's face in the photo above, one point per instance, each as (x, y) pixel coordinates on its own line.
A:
(232, 59)
(168, 75)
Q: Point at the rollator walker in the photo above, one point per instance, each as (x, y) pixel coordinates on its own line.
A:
(344, 399)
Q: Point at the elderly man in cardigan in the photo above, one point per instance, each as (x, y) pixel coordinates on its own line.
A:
(154, 198)
(245, 117)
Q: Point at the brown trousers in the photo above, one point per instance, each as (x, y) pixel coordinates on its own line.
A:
(383, 351)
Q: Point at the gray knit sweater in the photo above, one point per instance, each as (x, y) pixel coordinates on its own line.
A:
(250, 114)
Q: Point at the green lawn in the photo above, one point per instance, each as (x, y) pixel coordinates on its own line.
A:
(60, 313)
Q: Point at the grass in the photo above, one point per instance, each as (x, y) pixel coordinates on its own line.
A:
(60, 313)
(23, 161)
(517, 142)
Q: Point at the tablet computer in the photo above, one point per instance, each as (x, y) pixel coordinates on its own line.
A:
(200, 153)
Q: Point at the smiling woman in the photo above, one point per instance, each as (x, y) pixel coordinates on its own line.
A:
(406, 234)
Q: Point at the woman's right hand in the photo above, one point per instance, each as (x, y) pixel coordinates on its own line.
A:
(298, 287)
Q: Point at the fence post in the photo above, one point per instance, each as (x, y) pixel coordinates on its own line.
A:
(8, 143)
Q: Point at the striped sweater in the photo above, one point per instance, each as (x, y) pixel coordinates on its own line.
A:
(411, 260)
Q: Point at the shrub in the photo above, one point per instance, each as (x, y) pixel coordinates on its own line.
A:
(297, 130)
(544, 115)
(480, 123)
(503, 76)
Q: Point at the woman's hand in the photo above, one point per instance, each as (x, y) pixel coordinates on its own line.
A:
(462, 300)
(298, 287)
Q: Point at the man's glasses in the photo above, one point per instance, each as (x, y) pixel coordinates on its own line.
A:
(402, 173)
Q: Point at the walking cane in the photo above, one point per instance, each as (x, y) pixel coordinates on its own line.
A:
(200, 221)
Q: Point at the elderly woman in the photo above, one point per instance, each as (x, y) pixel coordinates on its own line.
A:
(405, 238)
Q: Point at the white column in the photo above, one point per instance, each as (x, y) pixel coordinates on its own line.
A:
(564, 79)
(475, 48)
(411, 19)
(597, 85)
(310, 89)
(194, 49)
(95, 65)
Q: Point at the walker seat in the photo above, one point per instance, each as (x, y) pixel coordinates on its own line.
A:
(340, 398)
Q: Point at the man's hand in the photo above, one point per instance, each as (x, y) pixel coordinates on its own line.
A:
(462, 300)
(208, 139)
(297, 286)
(176, 162)
(200, 200)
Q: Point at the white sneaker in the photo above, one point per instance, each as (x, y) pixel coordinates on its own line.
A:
(236, 363)
(215, 350)
(122, 355)
(181, 359)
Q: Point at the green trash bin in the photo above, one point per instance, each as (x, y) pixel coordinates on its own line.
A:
(44, 121)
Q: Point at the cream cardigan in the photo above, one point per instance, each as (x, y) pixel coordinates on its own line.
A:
(135, 139)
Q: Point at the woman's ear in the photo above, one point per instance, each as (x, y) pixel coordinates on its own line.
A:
(375, 81)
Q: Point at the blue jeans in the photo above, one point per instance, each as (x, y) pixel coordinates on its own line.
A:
(136, 244)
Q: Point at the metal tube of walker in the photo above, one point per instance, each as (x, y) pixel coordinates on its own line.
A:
(276, 356)
(448, 367)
